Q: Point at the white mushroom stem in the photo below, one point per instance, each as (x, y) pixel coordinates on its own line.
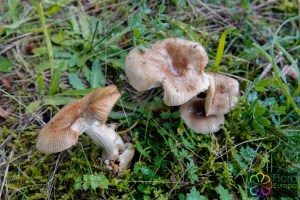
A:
(126, 156)
(108, 139)
(114, 149)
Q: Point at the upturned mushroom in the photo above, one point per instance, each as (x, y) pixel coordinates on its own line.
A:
(88, 115)
(205, 114)
(176, 64)
(222, 94)
(194, 116)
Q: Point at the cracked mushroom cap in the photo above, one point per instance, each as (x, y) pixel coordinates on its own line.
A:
(63, 129)
(194, 116)
(222, 94)
(176, 64)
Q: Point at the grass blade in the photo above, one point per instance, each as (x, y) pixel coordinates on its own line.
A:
(220, 50)
(40, 11)
(54, 85)
(277, 77)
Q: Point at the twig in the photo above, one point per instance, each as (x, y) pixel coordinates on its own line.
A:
(16, 158)
(11, 154)
(269, 67)
(50, 183)
(258, 139)
(7, 140)
(179, 180)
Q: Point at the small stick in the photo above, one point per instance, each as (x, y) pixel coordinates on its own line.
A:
(7, 140)
(11, 154)
(269, 67)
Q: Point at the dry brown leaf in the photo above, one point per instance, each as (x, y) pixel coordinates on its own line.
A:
(6, 84)
(4, 113)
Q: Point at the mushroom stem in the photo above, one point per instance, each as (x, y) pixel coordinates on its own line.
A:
(108, 139)
(116, 154)
(102, 135)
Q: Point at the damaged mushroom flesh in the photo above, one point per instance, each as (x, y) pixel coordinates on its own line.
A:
(176, 64)
(88, 115)
(194, 116)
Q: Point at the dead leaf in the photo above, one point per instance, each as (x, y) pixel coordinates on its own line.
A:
(6, 84)
(4, 113)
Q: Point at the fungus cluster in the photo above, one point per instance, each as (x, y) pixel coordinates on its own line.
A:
(89, 115)
(178, 66)
(175, 64)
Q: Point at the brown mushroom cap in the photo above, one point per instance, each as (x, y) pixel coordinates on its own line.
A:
(175, 63)
(62, 131)
(194, 116)
(222, 94)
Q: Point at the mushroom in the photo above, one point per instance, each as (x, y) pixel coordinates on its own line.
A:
(222, 94)
(176, 64)
(205, 112)
(88, 115)
(194, 116)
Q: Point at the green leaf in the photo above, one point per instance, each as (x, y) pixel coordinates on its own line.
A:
(73, 60)
(75, 24)
(194, 195)
(104, 182)
(260, 89)
(262, 84)
(12, 15)
(259, 110)
(58, 38)
(243, 193)
(192, 172)
(136, 32)
(34, 106)
(5, 65)
(224, 194)
(86, 182)
(263, 121)
(221, 46)
(98, 180)
(75, 82)
(54, 9)
(135, 20)
(87, 73)
(175, 115)
(145, 9)
(162, 7)
(165, 115)
(239, 160)
(281, 109)
(258, 126)
(97, 76)
(40, 83)
(84, 26)
(40, 51)
(248, 153)
(77, 184)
